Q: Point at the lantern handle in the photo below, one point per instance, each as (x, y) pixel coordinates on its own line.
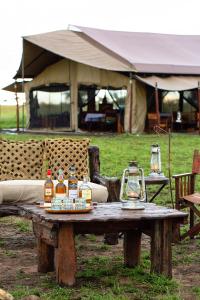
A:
(143, 198)
(122, 185)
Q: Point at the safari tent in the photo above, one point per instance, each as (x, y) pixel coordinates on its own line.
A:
(85, 77)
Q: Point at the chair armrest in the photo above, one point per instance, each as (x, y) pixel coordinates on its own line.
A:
(112, 184)
(94, 161)
(184, 185)
(183, 175)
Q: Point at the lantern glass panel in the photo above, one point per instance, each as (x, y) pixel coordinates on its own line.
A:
(155, 163)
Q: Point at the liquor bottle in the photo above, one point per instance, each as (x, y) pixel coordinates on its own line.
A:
(48, 188)
(60, 186)
(72, 183)
(85, 190)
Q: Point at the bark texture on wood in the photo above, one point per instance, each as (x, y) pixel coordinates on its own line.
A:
(8, 210)
(94, 161)
(47, 232)
(161, 252)
(132, 248)
(66, 256)
(45, 257)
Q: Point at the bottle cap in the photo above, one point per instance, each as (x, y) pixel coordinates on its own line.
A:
(48, 172)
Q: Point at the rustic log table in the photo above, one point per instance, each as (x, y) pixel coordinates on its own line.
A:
(56, 244)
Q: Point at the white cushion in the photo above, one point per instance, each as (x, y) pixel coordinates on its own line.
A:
(31, 191)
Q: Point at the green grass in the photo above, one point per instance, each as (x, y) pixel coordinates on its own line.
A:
(8, 116)
(117, 150)
(105, 278)
(23, 225)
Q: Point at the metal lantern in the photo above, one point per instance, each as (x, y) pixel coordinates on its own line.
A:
(155, 161)
(132, 191)
(178, 118)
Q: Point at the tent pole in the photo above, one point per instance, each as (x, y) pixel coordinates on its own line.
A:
(198, 115)
(23, 78)
(131, 101)
(157, 103)
(17, 107)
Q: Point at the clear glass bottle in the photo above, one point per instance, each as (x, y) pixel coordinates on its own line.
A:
(61, 189)
(72, 183)
(48, 188)
(85, 190)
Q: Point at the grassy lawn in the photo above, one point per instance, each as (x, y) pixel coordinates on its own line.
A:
(117, 150)
(104, 277)
(8, 116)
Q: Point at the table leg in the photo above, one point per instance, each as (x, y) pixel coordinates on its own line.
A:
(161, 249)
(157, 193)
(45, 257)
(66, 256)
(132, 248)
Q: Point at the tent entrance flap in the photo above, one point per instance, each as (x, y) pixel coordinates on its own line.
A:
(171, 83)
(50, 106)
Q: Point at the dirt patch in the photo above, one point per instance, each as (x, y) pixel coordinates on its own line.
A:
(18, 258)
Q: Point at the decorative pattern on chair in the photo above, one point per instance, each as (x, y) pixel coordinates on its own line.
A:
(62, 153)
(21, 159)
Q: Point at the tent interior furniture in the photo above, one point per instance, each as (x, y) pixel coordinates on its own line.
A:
(112, 183)
(186, 197)
(162, 120)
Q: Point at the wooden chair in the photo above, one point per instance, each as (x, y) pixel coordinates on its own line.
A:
(186, 197)
(153, 121)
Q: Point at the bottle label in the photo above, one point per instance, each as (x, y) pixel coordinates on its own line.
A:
(86, 194)
(72, 185)
(48, 192)
(60, 195)
(73, 194)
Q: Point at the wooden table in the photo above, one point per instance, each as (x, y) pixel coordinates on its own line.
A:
(55, 234)
(161, 181)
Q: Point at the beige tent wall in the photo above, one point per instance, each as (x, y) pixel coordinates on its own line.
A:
(74, 96)
(56, 73)
(66, 71)
(90, 75)
(135, 107)
(141, 107)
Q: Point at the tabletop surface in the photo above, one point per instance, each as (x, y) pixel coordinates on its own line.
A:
(107, 212)
(156, 180)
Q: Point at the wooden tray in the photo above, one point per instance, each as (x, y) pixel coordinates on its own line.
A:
(68, 211)
(42, 205)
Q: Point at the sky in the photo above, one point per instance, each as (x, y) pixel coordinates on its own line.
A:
(19, 18)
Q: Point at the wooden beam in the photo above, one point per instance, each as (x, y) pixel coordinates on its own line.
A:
(157, 103)
(198, 114)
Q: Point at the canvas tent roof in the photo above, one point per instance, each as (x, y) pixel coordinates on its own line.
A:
(152, 52)
(172, 83)
(15, 87)
(113, 50)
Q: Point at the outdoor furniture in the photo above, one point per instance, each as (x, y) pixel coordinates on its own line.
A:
(55, 234)
(24, 160)
(161, 182)
(93, 120)
(186, 197)
(161, 120)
